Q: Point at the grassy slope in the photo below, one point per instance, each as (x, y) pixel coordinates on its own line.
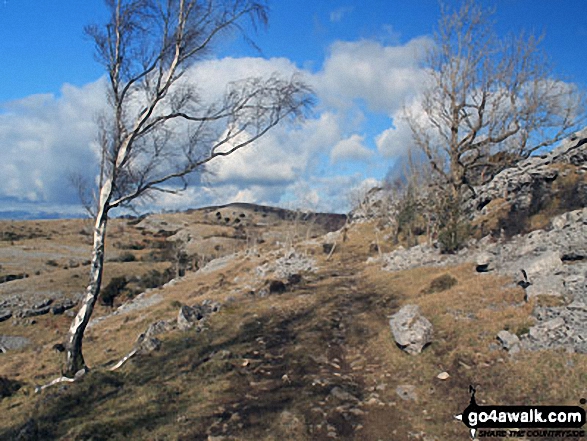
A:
(331, 330)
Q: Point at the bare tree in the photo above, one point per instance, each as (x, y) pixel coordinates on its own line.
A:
(488, 95)
(157, 129)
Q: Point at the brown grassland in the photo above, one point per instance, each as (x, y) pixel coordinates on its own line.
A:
(265, 367)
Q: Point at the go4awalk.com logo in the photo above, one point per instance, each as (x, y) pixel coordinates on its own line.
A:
(523, 421)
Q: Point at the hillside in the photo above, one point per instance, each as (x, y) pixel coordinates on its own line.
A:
(255, 323)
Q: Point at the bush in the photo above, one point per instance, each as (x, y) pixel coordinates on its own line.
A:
(441, 283)
(155, 279)
(453, 230)
(453, 237)
(112, 290)
(176, 304)
(8, 387)
(126, 257)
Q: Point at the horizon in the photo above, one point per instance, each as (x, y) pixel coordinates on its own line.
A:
(52, 89)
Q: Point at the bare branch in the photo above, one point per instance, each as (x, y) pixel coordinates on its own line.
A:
(488, 95)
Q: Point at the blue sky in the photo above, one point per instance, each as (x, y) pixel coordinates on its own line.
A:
(361, 57)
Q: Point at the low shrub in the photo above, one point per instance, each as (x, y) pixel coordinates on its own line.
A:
(8, 387)
(155, 279)
(126, 257)
(112, 290)
(441, 283)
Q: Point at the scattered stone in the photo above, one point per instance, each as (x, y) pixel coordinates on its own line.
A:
(158, 327)
(508, 340)
(187, 317)
(539, 331)
(547, 285)
(61, 307)
(518, 184)
(208, 307)
(33, 312)
(292, 263)
(5, 315)
(43, 304)
(13, 342)
(407, 392)
(411, 330)
(443, 376)
(148, 345)
(342, 395)
(548, 262)
(484, 262)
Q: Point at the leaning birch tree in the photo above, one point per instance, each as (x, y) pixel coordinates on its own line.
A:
(157, 129)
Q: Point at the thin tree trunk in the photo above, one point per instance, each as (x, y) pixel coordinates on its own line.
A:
(75, 359)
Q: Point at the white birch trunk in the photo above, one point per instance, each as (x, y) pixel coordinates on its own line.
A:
(75, 359)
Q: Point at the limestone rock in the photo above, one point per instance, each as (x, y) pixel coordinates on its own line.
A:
(61, 307)
(547, 263)
(443, 376)
(187, 317)
(149, 344)
(484, 262)
(5, 315)
(547, 285)
(13, 342)
(342, 395)
(407, 392)
(508, 340)
(411, 330)
(517, 184)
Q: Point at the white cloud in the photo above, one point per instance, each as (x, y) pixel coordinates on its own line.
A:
(350, 149)
(44, 136)
(383, 76)
(211, 77)
(279, 158)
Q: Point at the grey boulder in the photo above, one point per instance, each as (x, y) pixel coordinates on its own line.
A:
(411, 330)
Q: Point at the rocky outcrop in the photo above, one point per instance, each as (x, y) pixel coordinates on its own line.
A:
(60, 307)
(551, 262)
(510, 342)
(373, 205)
(5, 315)
(411, 330)
(554, 262)
(291, 264)
(516, 185)
(13, 342)
(194, 316)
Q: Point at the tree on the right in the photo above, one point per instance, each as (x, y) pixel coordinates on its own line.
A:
(489, 102)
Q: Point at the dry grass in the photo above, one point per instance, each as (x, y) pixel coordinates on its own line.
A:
(329, 331)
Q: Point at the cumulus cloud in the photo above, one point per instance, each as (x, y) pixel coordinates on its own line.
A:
(211, 77)
(350, 149)
(382, 76)
(43, 137)
(280, 157)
